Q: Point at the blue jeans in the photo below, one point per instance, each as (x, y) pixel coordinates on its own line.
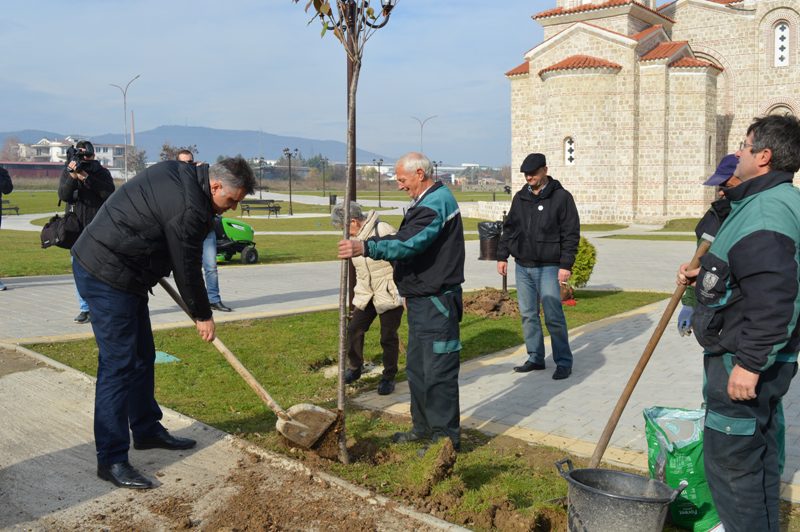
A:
(125, 390)
(82, 304)
(210, 267)
(536, 285)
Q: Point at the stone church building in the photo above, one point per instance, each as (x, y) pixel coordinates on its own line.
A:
(634, 104)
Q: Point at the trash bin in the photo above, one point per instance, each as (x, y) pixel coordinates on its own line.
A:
(489, 235)
(332, 200)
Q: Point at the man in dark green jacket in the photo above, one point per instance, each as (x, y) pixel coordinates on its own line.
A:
(427, 253)
(748, 295)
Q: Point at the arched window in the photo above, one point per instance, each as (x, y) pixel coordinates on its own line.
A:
(781, 47)
(780, 109)
(569, 151)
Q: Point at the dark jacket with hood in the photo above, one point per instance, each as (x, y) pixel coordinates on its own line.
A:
(427, 252)
(155, 223)
(85, 197)
(541, 230)
(748, 291)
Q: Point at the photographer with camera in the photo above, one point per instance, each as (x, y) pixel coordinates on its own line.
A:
(84, 186)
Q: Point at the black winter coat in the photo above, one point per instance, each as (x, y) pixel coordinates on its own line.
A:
(6, 186)
(155, 223)
(86, 197)
(541, 230)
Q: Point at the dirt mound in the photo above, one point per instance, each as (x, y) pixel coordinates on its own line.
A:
(490, 303)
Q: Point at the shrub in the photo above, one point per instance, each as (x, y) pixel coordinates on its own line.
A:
(584, 264)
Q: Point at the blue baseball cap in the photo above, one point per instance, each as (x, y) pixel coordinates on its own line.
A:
(724, 171)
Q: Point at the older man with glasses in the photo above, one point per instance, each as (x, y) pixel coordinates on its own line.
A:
(746, 320)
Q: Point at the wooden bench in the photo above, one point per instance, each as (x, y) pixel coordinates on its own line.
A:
(268, 205)
(7, 206)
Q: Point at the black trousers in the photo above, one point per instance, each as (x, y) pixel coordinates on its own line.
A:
(390, 342)
(743, 445)
(433, 363)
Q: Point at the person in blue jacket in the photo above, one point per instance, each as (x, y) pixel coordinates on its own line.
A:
(427, 253)
(746, 320)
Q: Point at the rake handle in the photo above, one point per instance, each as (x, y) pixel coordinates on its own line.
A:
(243, 372)
(702, 248)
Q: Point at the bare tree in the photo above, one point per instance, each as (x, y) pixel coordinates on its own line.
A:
(352, 22)
(170, 152)
(10, 150)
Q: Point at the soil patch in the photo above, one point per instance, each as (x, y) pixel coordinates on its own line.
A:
(491, 303)
(12, 362)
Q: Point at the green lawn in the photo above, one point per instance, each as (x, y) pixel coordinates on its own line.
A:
(285, 355)
(31, 202)
(23, 255)
(681, 224)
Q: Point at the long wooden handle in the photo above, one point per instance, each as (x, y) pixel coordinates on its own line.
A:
(645, 358)
(231, 358)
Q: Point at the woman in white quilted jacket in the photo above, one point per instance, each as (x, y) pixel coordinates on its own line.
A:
(375, 295)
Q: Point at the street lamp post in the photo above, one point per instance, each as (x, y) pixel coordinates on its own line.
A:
(324, 163)
(125, 117)
(436, 165)
(421, 126)
(290, 154)
(379, 162)
(260, 177)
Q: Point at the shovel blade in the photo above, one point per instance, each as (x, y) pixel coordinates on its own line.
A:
(307, 424)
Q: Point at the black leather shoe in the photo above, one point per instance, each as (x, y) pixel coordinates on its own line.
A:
(351, 375)
(123, 474)
(405, 437)
(385, 387)
(221, 307)
(529, 366)
(562, 373)
(164, 440)
(83, 317)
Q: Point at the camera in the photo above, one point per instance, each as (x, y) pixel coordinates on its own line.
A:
(81, 155)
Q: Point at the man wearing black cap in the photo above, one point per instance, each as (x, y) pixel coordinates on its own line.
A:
(709, 224)
(541, 232)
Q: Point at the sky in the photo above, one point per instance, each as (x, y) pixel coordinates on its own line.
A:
(257, 65)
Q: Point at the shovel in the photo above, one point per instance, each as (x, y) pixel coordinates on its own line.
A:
(702, 248)
(303, 424)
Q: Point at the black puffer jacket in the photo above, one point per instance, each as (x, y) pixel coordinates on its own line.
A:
(86, 197)
(541, 230)
(155, 223)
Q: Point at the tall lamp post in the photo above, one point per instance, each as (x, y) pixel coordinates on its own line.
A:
(125, 117)
(290, 154)
(379, 162)
(436, 165)
(260, 177)
(323, 163)
(421, 126)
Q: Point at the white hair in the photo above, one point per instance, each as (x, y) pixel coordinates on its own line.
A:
(413, 161)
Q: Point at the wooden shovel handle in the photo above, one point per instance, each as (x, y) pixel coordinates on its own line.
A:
(231, 358)
(702, 248)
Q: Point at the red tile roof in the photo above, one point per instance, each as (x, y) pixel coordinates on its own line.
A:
(580, 61)
(689, 62)
(518, 70)
(591, 7)
(664, 50)
(644, 33)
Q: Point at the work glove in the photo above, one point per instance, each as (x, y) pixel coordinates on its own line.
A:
(685, 320)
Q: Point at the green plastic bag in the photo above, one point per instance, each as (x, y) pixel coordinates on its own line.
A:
(675, 453)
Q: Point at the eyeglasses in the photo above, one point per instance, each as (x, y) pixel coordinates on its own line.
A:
(743, 145)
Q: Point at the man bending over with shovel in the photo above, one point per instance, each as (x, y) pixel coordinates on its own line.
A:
(155, 223)
(748, 296)
(428, 257)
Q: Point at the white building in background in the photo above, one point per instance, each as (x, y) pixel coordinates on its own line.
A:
(55, 151)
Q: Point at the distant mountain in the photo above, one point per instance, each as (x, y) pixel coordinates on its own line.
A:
(214, 142)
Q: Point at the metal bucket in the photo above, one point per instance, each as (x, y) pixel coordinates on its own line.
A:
(601, 500)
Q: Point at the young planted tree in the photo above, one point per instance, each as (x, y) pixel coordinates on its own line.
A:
(352, 22)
